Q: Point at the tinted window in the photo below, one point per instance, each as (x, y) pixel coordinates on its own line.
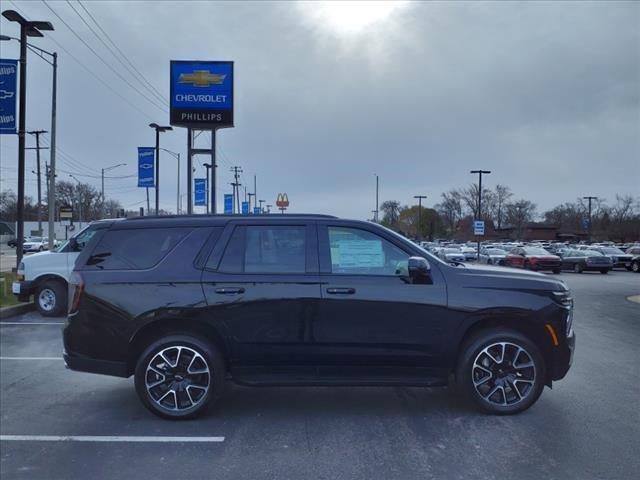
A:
(135, 249)
(266, 249)
(361, 252)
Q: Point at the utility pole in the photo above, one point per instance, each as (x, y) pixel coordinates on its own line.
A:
(102, 191)
(376, 211)
(589, 220)
(236, 186)
(209, 168)
(37, 148)
(480, 173)
(419, 197)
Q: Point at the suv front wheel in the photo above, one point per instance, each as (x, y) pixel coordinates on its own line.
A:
(177, 376)
(502, 370)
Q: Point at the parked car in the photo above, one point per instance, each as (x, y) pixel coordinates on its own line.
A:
(619, 258)
(533, 258)
(45, 275)
(35, 244)
(585, 260)
(470, 253)
(449, 254)
(493, 256)
(183, 303)
(633, 250)
(13, 243)
(635, 264)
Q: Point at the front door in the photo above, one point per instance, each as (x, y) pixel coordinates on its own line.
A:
(371, 313)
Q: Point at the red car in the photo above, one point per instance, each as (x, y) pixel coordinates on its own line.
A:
(533, 258)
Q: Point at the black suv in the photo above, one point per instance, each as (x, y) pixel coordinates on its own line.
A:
(185, 303)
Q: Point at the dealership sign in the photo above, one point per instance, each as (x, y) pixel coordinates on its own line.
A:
(146, 169)
(8, 95)
(228, 204)
(201, 94)
(200, 192)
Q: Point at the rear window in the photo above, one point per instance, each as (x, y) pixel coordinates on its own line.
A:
(135, 249)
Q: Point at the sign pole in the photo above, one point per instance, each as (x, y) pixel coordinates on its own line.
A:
(189, 172)
(213, 172)
(22, 121)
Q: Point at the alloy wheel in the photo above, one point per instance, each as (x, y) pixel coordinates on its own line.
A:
(177, 378)
(47, 299)
(503, 374)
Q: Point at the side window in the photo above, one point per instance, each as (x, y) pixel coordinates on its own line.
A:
(135, 249)
(265, 249)
(83, 238)
(359, 252)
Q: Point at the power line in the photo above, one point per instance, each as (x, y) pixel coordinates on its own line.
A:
(107, 64)
(110, 49)
(122, 54)
(105, 84)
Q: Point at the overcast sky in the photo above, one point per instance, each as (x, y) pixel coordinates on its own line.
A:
(546, 95)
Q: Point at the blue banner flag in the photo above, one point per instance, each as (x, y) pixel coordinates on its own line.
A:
(146, 167)
(256, 211)
(228, 204)
(245, 208)
(200, 192)
(8, 95)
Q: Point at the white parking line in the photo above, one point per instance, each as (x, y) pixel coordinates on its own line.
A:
(106, 438)
(31, 323)
(31, 358)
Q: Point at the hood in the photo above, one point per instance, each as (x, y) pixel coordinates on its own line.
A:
(494, 276)
(30, 258)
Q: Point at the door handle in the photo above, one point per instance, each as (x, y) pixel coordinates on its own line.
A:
(230, 291)
(341, 291)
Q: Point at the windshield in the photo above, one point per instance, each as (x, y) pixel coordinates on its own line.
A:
(35, 239)
(451, 250)
(612, 251)
(535, 251)
(495, 251)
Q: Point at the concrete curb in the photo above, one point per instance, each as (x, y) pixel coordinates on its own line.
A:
(19, 309)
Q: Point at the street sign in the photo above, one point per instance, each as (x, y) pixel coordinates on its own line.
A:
(228, 204)
(245, 208)
(200, 192)
(478, 227)
(585, 224)
(66, 212)
(201, 94)
(146, 167)
(282, 201)
(8, 95)
(256, 211)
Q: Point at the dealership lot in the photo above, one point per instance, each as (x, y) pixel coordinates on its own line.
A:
(94, 426)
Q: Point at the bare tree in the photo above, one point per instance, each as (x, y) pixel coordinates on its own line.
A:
(502, 195)
(450, 209)
(520, 213)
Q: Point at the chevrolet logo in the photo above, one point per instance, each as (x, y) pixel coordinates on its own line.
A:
(201, 78)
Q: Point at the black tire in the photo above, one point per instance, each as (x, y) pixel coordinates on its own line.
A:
(180, 381)
(604, 271)
(635, 267)
(577, 268)
(629, 268)
(51, 298)
(466, 371)
(556, 271)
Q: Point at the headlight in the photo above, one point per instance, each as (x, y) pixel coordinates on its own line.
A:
(564, 299)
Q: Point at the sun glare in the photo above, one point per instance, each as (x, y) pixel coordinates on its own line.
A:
(349, 17)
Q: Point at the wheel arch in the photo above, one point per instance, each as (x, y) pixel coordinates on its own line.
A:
(532, 330)
(155, 330)
(50, 276)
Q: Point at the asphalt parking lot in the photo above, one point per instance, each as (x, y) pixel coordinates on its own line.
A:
(587, 427)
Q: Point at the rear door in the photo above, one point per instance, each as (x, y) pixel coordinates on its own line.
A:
(261, 284)
(371, 313)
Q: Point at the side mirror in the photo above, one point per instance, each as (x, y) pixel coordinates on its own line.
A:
(73, 244)
(419, 269)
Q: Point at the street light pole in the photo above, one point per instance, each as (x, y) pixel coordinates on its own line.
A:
(176, 155)
(375, 217)
(102, 191)
(158, 130)
(31, 29)
(79, 201)
(209, 167)
(589, 199)
(37, 134)
(480, 173)
(419, 197)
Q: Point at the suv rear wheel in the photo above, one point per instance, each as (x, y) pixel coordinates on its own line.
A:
(51, 298)
(178, 376)
(502, 371)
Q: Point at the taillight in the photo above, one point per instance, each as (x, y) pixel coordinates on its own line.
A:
(76, 288)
